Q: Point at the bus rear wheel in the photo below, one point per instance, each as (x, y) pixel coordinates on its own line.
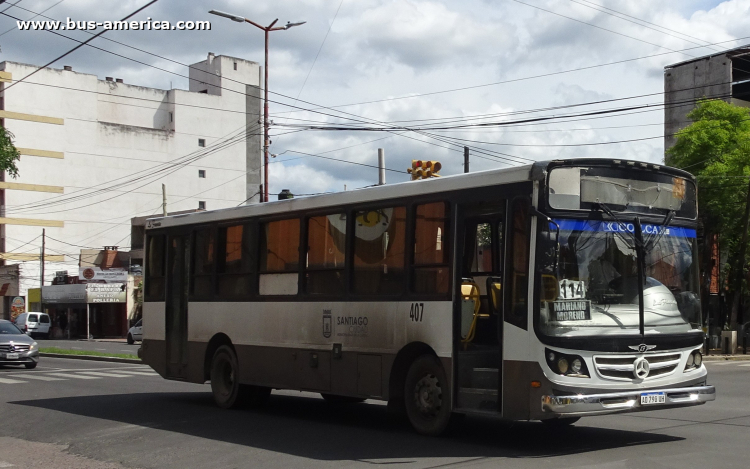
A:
(427, 396)
(225, 384)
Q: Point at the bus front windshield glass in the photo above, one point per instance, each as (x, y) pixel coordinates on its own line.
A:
(590, 279)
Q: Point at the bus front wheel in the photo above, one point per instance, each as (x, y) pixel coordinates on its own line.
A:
(427, 396)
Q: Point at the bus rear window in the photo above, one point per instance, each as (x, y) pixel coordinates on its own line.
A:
(155, 260)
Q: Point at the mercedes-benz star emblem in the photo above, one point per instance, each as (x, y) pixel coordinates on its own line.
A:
(642, 347)
(641, 368)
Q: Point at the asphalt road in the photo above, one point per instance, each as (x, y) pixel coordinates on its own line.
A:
(120, 346)
(96, 414)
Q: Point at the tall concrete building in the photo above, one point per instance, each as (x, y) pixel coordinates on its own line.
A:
(723, 75)
(95, 153)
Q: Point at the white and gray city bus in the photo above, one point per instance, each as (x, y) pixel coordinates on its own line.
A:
(542, 292)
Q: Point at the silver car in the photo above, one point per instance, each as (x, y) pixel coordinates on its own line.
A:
(16, 348)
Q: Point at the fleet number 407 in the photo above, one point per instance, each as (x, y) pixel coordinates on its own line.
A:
(416, 313)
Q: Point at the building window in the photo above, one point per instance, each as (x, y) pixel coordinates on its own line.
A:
(171, 117)
(326, 251)
(379, 248)
(235, 65)
(201, 142)
(201, 205)
(236, 260)
(201, 173)
(431, 266)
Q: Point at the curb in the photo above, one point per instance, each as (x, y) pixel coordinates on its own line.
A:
(94, 358)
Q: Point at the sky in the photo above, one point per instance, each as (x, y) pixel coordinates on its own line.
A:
(385, 64)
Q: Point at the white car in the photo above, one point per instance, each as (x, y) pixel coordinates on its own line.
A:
(135, 332)
(34, 324)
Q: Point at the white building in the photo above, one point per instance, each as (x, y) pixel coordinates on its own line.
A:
(95, 154)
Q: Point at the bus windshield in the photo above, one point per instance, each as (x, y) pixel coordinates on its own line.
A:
(590, 281)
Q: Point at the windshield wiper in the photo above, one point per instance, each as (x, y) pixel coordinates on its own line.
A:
(651, 243)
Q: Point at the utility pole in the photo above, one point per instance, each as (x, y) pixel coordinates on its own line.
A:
(466, 159)
(267, 30)
(164, 199)
(41, 260)
(381, 166)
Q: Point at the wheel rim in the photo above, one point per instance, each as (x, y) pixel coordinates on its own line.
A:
(225, 377)
(428, 396)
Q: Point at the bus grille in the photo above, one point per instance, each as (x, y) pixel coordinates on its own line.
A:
(621, 367)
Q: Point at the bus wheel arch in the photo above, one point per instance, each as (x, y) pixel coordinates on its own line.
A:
(213, 345)
(403, 361)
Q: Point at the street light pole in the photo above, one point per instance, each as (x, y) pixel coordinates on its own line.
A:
(266, 30)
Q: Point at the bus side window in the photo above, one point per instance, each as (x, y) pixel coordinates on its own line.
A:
(155, 267)
(431, 266)
(379, 248)
(236, 261)
(326, 252)
(202, 269)
(279, 257)
(516, 310)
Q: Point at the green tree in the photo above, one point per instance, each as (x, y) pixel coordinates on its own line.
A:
(8, 153)
(716, 148)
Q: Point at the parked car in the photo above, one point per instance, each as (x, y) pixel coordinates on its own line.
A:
(34, 324)
(17, 348)
(135, 332)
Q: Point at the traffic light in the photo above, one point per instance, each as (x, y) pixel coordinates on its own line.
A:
(431, 169)
(416, 170)
(424, 169)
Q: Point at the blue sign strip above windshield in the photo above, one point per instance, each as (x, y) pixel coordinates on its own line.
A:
(613, 227)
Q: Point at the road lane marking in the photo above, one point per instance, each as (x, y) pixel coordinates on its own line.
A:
(141, 373)
(37, 377)
(71, 375)
(106, 375)
(11, 381)
(744, 365)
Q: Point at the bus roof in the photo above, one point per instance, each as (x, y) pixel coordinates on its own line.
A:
(399, 190)
(364, 195)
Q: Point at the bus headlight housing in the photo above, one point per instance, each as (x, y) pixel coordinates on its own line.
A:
(566, 365)
(694, 361)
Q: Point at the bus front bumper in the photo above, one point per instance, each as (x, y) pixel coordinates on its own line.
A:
(630, 401)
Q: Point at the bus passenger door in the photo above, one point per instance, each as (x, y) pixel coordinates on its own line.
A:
(176, 305)
(478, 337)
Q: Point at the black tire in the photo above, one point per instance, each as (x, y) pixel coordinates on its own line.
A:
(427, 396)
(561, 422)
(225, 384)
(130, 339)
(334, 399)
(30, 366)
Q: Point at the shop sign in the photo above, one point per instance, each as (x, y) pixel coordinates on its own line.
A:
(106, 293)
(96, 274)
(17, 306)
(56, 294)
